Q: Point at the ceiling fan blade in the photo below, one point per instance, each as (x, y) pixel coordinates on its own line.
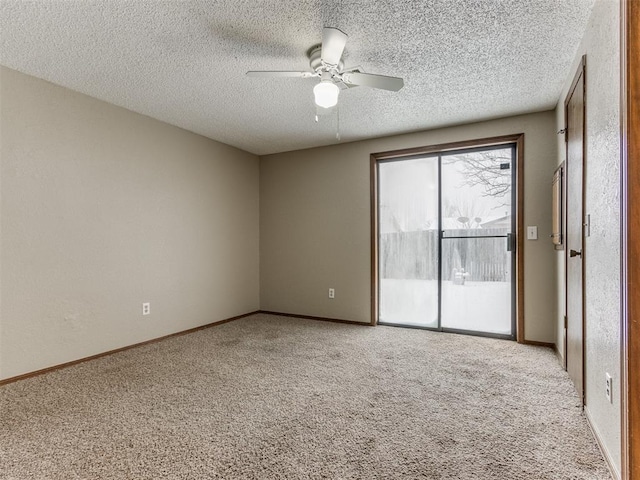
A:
(266, 74)
(375, 81)
(333, 42)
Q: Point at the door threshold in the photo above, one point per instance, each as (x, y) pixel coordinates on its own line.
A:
(409, 325)
(499, 336)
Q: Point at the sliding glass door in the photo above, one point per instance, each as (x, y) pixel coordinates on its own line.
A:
(446, 227)
(477, 241)
(408, 205)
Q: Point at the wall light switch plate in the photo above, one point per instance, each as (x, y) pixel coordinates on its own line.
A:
(532, 233)
(608, 389)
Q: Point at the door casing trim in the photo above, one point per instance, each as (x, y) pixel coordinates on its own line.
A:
(630, 237)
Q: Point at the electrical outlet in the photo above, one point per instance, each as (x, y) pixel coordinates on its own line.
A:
(609, 387)
(146, 308)
(332, 293)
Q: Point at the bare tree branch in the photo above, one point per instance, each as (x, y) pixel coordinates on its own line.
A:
(484, 169)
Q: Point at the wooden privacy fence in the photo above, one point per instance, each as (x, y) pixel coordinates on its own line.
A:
(414, 255)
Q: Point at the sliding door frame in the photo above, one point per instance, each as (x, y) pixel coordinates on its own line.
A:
(376, 158)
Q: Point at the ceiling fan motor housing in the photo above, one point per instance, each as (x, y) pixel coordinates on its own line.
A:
(316, 62)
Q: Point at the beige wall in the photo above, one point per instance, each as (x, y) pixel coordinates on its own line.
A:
(315, 222)
(601, 44)
(103, 209)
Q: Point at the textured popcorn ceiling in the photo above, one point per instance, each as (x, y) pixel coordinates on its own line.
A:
(184, 62)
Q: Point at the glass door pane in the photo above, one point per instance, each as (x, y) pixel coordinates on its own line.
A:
(408, 242)
(477, 226)
(476, 285)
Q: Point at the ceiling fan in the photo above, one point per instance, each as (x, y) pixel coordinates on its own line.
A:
(326, 63)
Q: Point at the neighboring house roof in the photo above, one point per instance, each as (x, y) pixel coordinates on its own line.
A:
(503, 221)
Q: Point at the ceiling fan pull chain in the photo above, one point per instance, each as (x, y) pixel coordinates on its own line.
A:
(338, 126)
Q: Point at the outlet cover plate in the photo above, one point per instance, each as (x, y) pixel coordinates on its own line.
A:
(608, 387)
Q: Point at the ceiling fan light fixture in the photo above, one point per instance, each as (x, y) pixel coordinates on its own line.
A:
(326, 94)
(326, 62)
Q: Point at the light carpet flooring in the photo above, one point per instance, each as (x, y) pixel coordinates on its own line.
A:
(273, 397)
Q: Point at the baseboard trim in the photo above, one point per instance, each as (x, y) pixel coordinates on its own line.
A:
(559, 356)
(311, 317)
(35, 373)
(539, 344)
(603, 449)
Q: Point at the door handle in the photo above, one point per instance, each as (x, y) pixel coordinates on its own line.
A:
(575, 253)
(510, 242)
